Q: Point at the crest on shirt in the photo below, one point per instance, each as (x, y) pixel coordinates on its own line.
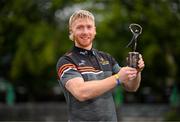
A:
(82, 62)
(103, 61)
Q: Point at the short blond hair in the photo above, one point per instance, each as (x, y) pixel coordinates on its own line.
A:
(79, 14)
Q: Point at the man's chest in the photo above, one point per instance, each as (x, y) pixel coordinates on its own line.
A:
(92, 67)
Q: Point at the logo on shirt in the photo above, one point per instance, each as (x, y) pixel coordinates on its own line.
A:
(103, 61)
(83, 53)
(82, 62)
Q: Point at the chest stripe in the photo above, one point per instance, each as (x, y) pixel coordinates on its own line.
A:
(87, 69)
(92, 72)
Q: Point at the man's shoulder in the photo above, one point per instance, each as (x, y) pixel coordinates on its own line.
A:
(64, 59)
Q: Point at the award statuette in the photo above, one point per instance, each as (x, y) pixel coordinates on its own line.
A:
(133, 57)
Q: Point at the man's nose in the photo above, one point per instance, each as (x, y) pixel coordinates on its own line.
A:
(85, 30)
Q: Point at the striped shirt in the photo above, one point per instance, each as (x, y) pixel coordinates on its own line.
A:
(90, 65)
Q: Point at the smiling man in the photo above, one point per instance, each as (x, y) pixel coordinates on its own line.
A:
(88, 76)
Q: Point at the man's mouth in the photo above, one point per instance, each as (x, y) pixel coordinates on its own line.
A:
(84, 38)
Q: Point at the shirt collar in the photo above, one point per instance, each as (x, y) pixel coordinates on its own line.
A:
(82, 51)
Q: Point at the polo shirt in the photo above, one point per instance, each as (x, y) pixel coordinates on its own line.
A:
(90, 65)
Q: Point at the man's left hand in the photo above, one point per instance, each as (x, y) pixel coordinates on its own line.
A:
(141, 64)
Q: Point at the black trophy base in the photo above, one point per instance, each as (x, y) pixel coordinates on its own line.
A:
(133, 58)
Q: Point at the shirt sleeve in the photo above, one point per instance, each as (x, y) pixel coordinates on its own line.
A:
(115, 65)
(66, 70)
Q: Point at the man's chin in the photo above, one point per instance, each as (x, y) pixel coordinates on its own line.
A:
(86, 44)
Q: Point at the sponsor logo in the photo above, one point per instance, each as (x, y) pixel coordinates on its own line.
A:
(103, 61)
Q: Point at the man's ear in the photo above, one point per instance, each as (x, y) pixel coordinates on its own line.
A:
(71, 35)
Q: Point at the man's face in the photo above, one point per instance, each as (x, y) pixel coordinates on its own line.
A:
(84, 31)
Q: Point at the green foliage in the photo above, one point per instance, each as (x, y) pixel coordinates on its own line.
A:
(34, 34)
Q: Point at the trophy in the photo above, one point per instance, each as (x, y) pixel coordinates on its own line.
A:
(133, 57)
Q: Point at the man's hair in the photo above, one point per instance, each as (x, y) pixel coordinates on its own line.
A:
(79, 14)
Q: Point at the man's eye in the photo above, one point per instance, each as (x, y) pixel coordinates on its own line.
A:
(79, 27)
(89, 27)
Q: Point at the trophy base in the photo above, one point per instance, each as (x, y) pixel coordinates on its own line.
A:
(133, 58)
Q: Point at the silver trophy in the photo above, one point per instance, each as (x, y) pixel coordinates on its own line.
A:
(133, 57)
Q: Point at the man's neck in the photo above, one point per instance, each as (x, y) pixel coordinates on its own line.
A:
(86, 48)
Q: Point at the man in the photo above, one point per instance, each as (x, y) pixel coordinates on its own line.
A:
(88, 76)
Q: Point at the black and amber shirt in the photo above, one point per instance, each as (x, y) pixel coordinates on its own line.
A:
(90, 65)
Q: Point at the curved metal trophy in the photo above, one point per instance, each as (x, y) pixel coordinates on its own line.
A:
(133, 57)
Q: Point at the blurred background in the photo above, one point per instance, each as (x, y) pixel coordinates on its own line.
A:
(34, 34)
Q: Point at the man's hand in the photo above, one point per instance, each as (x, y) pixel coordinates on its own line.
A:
(127, 73)
(131, 77)
(140, 64)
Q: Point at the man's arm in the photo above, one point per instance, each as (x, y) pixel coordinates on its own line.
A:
(130, 78)
(86, 90)
(132, 85)
(82, 90)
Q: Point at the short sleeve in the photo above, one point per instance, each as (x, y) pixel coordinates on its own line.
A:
(66, 70)
(115, 65)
